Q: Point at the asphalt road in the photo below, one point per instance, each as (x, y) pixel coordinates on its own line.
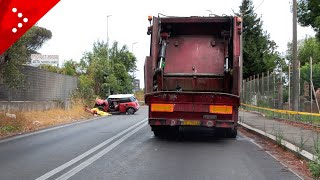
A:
(123, 147)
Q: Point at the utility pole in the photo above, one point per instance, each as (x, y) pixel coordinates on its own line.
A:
(311, 86)
(109, 93)
(289, 93)
(295, 61)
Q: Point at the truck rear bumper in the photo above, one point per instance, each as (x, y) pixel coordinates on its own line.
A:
(182, 122)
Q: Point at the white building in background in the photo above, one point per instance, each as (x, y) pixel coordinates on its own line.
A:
(40, 59)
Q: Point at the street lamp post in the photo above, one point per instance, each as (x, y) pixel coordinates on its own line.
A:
(132, 46)
(133, 73)
(108, 47)
(209, 12)
(108, 29)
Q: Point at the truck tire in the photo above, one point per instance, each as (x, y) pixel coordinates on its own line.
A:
(165, 132)
(156, 133)
(232, 133)
(160, 133)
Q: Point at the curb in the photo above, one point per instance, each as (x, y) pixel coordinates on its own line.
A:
(307, 155)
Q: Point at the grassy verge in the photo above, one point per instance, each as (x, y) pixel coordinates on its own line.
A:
(139, 95)
(34, 120)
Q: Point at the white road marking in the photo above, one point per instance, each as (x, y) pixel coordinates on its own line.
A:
(252, 141)
(284, 165)
(71, 162)
(89, 161)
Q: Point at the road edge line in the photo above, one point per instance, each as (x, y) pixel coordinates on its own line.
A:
(284, 143)
(258, 145)
(284, 165)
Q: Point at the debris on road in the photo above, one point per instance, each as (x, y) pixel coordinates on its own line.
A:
(36, 123)
(11, 115)
(96, 111)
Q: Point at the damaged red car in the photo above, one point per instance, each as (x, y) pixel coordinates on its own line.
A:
(119, 103)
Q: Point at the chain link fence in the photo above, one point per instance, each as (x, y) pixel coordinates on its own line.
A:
(40, 85)
(271, 93)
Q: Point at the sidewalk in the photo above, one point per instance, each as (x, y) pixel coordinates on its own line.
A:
(302, 138)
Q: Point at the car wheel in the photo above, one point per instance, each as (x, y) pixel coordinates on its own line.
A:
(130, 111)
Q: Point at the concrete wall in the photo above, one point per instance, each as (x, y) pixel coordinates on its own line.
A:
(19, 106)
(40, 85)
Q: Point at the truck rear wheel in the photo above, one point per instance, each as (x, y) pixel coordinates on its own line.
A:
(232, 133)
(164, 132)
(156, 133)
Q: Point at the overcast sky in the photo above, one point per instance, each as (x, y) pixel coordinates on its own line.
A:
(77, 24)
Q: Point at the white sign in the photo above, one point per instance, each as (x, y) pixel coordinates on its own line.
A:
(39, 59)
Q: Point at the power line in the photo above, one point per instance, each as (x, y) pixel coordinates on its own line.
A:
(255, 8)
(259, 5)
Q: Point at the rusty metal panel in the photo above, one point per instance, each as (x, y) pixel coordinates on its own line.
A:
(148, 75)
(191, 84)
(195, 19)
(236, 56)
(183, 107)
(194, 54)
(192, 98)
(154, 42)
(201, 108)
(186, 116)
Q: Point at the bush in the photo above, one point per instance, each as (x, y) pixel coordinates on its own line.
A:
(315, 168)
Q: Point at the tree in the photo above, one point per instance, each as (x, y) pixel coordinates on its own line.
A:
(259, 52)
(123, 56)
(50, 68)
(69, 68)
(19, 53)
(98, 66)
(309, 14)
(85, 87)
(109, 68)
(310, 47)
(305, 74)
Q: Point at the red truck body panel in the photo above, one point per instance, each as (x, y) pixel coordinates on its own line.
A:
(194, 64)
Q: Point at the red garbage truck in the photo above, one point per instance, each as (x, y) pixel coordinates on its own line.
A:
(193, 73)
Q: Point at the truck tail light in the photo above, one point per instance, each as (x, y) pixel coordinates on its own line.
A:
(162, 107)
(220, 109)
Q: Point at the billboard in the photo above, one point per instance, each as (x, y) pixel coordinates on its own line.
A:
(40, 59)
